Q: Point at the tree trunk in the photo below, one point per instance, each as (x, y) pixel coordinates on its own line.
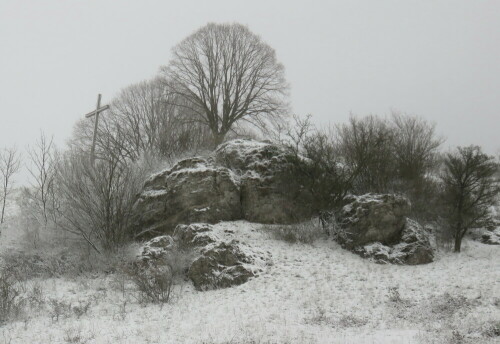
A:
(458, 242)
(3, 207)
(218, 139)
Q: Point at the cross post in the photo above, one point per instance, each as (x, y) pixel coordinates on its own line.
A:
(95, 113)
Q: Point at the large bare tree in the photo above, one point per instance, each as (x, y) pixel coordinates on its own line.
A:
(224, 73)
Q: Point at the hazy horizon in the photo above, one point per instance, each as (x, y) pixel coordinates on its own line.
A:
(435, 59)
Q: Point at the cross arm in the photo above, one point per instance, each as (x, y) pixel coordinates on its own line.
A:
(93, 113)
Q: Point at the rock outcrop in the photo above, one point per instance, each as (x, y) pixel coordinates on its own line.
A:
(269, 191)
(156, 252)
(195, 235)
(226, 264)
(414, 248)
(215, 263)
(376, 226)
(194, 190)
(372, 218)
(243, 179)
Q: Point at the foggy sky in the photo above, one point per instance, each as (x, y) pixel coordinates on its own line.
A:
(436, 59)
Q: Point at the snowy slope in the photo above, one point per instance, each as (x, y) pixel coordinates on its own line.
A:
(315, 293)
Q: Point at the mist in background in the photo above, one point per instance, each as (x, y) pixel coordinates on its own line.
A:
(435, 59)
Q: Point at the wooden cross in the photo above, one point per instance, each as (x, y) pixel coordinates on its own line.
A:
(95, 113)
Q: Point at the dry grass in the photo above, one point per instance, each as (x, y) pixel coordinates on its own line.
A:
(305, 232)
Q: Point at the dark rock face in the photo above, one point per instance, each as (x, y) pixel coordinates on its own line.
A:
(269, 194)
(413, 249)
(225, 264)
(376, 226)
(192, 191)
(372, 218)
(243, 179)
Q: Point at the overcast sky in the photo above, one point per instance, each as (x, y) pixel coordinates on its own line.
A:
(436, 59)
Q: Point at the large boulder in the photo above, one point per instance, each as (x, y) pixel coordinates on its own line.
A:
(269, 193)
(414, 247)
(195, 235)
(242, 179)
(194, 190)
(226, 264)
(372, 218)
(376, 226)
(156, 252)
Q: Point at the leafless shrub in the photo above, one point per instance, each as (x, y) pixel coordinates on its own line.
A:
(393, 294)
(154, 284)
(11, 299)
(76, 336)
(316, 164)
(58, 308)
(401, 305)
(97, 200)
(365, 145)
(28, 266)
(81, 308)
(447, 305)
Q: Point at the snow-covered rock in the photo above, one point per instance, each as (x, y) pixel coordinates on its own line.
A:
(413, 249)
(194, 190)
(195, 235)
(216, 260)
(376, 226)
(226, 264)
(269, 193)
(243, 179)
(156, 251)
(372, 218)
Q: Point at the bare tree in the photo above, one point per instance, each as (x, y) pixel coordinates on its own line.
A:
(149, 121)
(366, 146)
(315, 162)
(10, 163)
(415, 145)
(470, 189)
(42, 171)
(224, 73)
(143, 122)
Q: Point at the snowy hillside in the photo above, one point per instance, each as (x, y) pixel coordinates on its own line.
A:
(317, 293)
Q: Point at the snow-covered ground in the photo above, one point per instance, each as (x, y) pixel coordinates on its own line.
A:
(316, 293)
